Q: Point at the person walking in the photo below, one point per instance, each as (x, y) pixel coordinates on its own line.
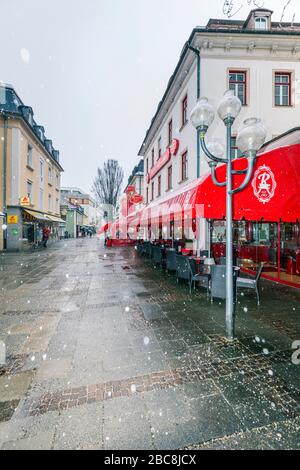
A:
(46, 234)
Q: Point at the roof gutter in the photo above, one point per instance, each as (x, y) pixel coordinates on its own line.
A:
(197, 52)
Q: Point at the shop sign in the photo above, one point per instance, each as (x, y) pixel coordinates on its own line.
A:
(25, 201)
(12, 219)
(264, 184)
(14, 232)
(164, 159)
(136, 199)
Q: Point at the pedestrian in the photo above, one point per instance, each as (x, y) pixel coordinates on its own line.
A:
(46, 234)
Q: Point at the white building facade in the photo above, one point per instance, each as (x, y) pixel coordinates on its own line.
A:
(257, 58)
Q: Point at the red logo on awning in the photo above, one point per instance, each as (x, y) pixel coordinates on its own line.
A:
(264, 184)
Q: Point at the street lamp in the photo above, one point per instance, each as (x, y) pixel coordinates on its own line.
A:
(250, 139)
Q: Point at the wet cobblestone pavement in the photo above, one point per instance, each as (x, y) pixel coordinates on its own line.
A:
(106, 352)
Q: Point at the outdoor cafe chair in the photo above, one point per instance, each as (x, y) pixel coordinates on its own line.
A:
(247, 283)
(157, 255)
(187, 272)
(218, 281)
(171, 260)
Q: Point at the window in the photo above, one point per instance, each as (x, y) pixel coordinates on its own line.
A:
(152, 159)
(152, 190)
(170, 132)
(184, 159)
(169, 178)
(159, 186)
(49, 175)
(50, 203)
(41, 171)
(261, 23)
(235, 152)
(57, 180)
(29, 189)
(283, 95)
(147, 166)
(147, 195)
(57, 206)
(159, 148)
(238, 83)
(29, 156)
(184, 106)
(41, 200)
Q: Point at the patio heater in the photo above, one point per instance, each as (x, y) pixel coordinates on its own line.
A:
(249, 140)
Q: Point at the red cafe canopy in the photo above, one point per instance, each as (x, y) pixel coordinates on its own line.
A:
(272, 195)
(105, 228)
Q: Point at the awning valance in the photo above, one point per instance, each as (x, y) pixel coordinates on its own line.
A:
(42, 217)
(36, 215)
(52, 218)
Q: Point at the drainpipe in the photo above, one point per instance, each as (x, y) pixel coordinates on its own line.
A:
(197, 52)
(4, 161)
(4, 173)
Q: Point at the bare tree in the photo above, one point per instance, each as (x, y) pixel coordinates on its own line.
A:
(232, 7)
(284, 10)
(108, 182)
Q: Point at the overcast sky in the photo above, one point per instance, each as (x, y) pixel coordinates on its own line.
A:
(94, 70)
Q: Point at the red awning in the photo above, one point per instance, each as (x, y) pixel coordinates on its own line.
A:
(272, 195)
(184, 202)
(105, 228)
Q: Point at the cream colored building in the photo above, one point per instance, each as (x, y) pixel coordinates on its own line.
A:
(30, 176)
(257, 58)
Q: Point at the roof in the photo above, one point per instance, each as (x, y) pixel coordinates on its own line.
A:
(12, 106)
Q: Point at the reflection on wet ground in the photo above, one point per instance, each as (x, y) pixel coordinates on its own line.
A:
(106, 352)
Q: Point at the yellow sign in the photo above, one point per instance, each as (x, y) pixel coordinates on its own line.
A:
(12, 219)
(25, 201)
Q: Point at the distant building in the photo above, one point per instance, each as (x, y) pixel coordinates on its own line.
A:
(77, 197)
(74, 217)
(136, 178)
(30, 173)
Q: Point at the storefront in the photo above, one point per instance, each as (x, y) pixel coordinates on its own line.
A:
(266, 214)
(25, 228)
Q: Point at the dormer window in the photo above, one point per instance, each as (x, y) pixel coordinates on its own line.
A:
(261, 23)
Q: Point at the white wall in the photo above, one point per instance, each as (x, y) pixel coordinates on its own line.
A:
(214, 81)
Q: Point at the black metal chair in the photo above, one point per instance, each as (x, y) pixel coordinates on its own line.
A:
(247, 283)
(185, 270)
(204, 253)
(218, 282)
(156, 255)
(139, 248)
(171, 260)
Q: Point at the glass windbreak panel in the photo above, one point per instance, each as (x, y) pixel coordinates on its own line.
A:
(218, 239)
(256, 243)
(290, 253)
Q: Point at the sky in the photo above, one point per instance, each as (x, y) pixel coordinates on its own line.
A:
(94, 71)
